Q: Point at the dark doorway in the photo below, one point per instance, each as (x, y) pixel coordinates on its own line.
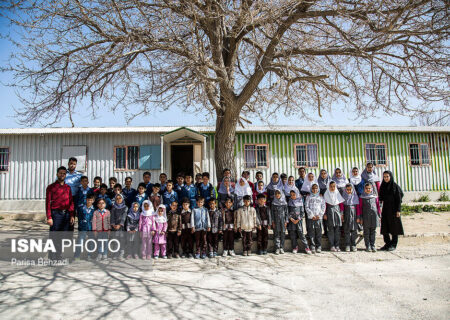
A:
(182, 158)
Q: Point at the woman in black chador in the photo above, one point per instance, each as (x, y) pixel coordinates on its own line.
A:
(391, 223)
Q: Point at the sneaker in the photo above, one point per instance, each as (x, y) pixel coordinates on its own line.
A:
(319, 250)
(105, 257)
(164, 257)
(308, 251)
(368, 249)
(337, 249)
(347, 249)
(211, 255)
(203, 255)
(391, 248)
(136, 256)
(294, 251)
(121, 257)
(260, 252)
(264, 252)
(373, 249)
(224, 253)
(281, 251)
(197, 256)
(148, 257)
(177, 256)
(156, 257)
(129, 256)
(214, 254)
(333, 249)
(190, 256)
(99, 258)
(249, 253)
(354, 249)
(169, 256)
(384, 248)
(231, 252)
(89, 258)
(277, 251)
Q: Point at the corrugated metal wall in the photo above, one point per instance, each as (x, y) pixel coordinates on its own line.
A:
(347, 151)
(35, 158)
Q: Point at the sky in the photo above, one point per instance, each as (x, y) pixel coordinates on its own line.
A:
(172, 117)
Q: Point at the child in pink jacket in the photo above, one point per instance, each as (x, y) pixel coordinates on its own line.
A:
(146, 222)
(159, 232)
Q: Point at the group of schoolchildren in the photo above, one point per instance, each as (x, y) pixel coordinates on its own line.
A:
(157, 219)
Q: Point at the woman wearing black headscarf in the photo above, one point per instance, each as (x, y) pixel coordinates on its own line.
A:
(391, 224)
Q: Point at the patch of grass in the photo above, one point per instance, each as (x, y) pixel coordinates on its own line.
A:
(410, 210)
(424, 198)
(444, 197)
(1, 218)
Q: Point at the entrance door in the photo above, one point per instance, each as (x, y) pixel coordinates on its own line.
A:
(182, 158)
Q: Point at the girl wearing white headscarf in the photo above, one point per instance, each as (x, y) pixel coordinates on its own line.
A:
(146, 222)
(356, 180)
(306, 187)
(159, 232)
(315, 208)
(290, 186)
(242, 189)
(351, 205)
(333, 215)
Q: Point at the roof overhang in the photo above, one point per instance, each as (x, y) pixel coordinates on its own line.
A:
(183, 133)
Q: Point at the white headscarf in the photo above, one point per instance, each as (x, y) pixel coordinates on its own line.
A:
(163, 218)
(289, 187)
(150, 211)
(340, 182)
(275, 185)
(334, 197)
(350, 199)
(263, 189)
(355, 180)
(306, 187)
(279, 202)
(244, 190)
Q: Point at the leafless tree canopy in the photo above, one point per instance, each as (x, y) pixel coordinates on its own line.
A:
(235, 59)
(250, 56)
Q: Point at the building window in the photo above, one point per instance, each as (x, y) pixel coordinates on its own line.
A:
(126, 158)
(306, 155)
(255, 155)
(419, 154)
(4, 159)
(376, 154)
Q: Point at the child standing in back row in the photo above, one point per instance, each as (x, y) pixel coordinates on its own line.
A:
(315, 209)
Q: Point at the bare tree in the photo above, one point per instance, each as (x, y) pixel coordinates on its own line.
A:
(235, 59)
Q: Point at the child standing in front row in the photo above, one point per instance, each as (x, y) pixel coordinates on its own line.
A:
(315, 209)
(370, 216)
(246, 223)
(295, 227)
(101, 225)
(146, 221)
(215, 217)
(333, 215)
(159, 232)
(279, 220)
(85, 215)
(200, 225)
(264, 221)
(187, 243)
(351, 205)
(173, 231)
(119, 212)
(228, 218)
(132, 227)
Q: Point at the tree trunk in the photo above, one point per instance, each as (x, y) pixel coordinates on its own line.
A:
(224, 142)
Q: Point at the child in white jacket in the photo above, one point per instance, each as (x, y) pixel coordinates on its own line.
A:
(315, 209)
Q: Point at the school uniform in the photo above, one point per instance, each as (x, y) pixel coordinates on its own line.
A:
(296, 211)
(371, 218)
(173, 227)
(101, 223)
(334, 223)
(146, 222)
(82, 194)
(279, 213)
(228, 218)
(215, 218)
(315, 207)
(130, 195)
(118, 217)
(200, 222)
(179, 190)
(149, 189)
(222, 197)
(110, 193)
(168, 198)
(140, 198)
(132, 226)
(351, 209)
(160, 236)
(246, 221)
(208, 192)
(264, 218)
(84, 215)
(190, 192)
(187, 243)
(73, 181)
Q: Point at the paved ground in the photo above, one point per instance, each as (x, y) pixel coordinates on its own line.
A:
(410, 283)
